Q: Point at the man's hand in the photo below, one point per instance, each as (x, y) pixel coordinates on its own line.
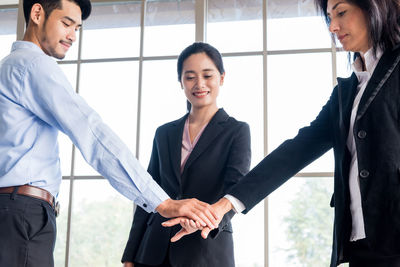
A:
(189, 226)
(128, 264)
(193, 209)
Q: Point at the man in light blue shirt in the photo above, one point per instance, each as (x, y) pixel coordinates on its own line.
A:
(37, 101)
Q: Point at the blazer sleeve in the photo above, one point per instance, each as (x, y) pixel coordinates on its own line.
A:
(285, 161)
(237, 165)
(141, 217)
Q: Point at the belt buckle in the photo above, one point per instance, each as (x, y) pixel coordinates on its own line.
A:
(57, 209)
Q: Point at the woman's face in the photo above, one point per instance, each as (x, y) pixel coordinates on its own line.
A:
(348, 23)
(201, 80)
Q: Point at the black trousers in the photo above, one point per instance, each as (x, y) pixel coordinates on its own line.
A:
(361, 255)
(166, 262)
(27, 232)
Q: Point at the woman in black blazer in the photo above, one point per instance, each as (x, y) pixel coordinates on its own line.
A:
(200, 155)
(361, 122)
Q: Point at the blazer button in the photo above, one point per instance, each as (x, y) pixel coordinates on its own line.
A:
(362, 134)
(364, 174)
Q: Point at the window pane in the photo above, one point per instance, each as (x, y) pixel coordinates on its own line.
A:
(344, 69)
(298, 86)
(63, 199)
(235, 25)
(169, 27)
(8, 30)
(294, 24)
(112, 30)
(65, 148)
(301, 223)
(163, 100)
(248, 236)
(242, 98)
(101, 220)
(8, 2)
(111, 90)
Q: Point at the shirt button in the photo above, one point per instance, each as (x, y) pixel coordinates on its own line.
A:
(144, 205)
(364, 174)
(362, 134)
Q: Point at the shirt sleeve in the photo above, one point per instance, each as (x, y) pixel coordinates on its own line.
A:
(46, 92)
(238, 206)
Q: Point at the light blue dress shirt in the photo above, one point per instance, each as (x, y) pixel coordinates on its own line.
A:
(36, 100)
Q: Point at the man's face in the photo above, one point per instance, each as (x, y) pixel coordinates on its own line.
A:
(58, 31)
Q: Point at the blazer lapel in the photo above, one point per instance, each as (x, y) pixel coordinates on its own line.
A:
(378, 79)
(175, 145)
(213, 129)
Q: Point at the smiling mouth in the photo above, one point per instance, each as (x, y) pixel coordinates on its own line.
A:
(201, 94)
(341, 37)
(66, 44)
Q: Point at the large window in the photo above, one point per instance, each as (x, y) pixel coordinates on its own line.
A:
(280, 70)
(8, 29)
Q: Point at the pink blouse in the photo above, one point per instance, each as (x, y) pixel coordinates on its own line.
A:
(187, 146)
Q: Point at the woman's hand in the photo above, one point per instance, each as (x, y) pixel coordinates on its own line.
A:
(188, 227)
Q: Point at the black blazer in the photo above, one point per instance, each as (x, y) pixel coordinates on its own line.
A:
(220, 158)
(377, 137)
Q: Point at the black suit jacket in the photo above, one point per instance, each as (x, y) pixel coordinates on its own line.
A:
(377, 137)
(220, 158)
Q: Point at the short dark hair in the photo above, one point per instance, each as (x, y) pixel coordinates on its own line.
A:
(200, 47)
(382, 19)
(50, 5)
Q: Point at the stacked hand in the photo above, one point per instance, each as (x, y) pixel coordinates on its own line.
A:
(200, 212)
(190, 226)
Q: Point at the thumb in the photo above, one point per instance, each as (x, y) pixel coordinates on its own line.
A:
(179, 235)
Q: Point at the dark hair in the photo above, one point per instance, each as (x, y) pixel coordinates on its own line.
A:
(50, 5)
(382, 19)
(197, 48)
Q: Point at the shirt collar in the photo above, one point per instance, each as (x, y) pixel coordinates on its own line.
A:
(25, 45)
(370, 62)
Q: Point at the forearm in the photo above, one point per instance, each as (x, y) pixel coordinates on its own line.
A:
(106, 153)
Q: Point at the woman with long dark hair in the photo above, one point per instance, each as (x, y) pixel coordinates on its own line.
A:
(200, 155)
(361, 122)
